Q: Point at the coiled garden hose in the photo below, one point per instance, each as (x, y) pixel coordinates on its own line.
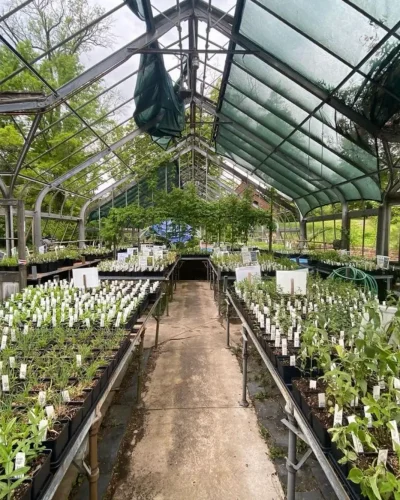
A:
(359, 277)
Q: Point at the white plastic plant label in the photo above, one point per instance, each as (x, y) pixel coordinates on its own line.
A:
(292, 360)
(394, 431)
(50, 413)
(11, 361)
(321, 400)
(296, 340)
(78, 360)
(3, 342)
(356, 442)
(284, 347)
(313, 384)
(42, 427)
(42, 398)
(22, 371)
(65, 396)
(382, 457)
(376, 392)
(338, 416)
(26, 329)
(19, 463)
(5, 383)
(278, 340)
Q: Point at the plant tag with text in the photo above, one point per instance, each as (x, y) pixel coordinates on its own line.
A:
(338, 416)
(278, 340)
(42, 398)
(11, 360)
(65, 396)
(78, 360)
(321, 400)
(376, 392)
(356, 442)
(5, 383)
(313, 384)
(22, 371)
(394, 431)
(284, 347)
(296, 340)
(43, 424)
(293, 360)
(50, 411)
(3, 342)
(382, 457)
(19, 463)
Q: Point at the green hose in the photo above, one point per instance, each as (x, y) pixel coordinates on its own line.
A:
(356, 275)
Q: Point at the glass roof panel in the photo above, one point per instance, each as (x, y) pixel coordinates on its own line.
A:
(290, 47)
(334, 24)
(385, 11)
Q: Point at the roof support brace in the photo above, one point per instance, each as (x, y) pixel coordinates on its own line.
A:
(37, 228)
(24, 151)
(162, 24)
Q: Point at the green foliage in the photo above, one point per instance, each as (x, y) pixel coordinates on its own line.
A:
(231, 215)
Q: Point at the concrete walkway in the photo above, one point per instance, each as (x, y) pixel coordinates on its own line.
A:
(198, 443)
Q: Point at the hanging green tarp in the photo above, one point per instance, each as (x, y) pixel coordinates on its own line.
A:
(137, 8)
(156, 94)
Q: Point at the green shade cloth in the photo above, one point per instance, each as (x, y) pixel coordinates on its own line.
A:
(266, 126)
(155, 94)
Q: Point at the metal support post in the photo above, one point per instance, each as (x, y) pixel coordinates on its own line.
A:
(303, 233)
(245, 355)
(93, 459)
(167, 302)
(345, 226)
(81, 225)
(21, 245)
(291, 459)
(383, 230)
(140, 371)
(157, 318)
(228, 308)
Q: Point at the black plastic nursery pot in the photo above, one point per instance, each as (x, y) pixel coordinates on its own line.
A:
(296, 393)
(321, 431)
(24, 491)
(42, 267)
(76, 420)
(58, 444)
(96, 388)
(85, 400)
(286, 371)
(41, 476)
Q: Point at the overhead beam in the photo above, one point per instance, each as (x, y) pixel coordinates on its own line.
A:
(162, 24)
(354, 214)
